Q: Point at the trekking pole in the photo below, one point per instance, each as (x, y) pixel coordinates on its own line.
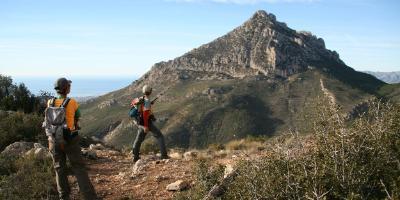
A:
(154, 100)
(159, 95)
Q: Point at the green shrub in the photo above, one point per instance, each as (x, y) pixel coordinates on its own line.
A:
(207, 175)
(342, 159)
(27, 178)
(16, 126)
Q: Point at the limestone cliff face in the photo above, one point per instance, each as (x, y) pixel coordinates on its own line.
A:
(261, 46)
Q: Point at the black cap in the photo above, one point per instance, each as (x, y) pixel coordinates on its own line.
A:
(61, 84)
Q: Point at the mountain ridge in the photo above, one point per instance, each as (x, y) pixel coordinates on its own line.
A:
(256, 80)
(388, 77)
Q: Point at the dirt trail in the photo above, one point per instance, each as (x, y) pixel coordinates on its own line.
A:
(112, 172)
(111, 175)
(327, 93)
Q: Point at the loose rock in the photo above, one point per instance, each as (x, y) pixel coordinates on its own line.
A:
(178, 186)
(176, 155)
(91, 154)
(190, 155)
(138, 167)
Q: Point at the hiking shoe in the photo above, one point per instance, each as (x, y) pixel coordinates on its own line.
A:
(165, 157)
(136, 159)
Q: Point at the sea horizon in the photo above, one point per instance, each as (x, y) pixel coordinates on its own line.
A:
(82, 86)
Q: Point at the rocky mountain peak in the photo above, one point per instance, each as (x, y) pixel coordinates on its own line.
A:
(261, 15)
(260, 46)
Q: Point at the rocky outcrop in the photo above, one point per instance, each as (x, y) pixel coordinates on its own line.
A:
(262, 45)
(106, 104)
(26, 149)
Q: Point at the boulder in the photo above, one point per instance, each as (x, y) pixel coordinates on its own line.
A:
(17, 148)
(178, 186)
(138, 167)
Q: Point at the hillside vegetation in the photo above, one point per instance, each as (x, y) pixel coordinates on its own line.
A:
(21, 117)
(390, 92)
(20, 113)
(342, 159)
(200, 113)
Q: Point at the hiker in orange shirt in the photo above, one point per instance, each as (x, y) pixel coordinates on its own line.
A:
(70, 146)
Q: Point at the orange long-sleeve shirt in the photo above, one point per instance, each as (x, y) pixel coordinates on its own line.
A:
(145, 110)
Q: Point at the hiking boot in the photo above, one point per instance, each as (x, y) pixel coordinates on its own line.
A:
(164, 157)
(135, 159)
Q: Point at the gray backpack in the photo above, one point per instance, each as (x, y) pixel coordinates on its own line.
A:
(55, 121)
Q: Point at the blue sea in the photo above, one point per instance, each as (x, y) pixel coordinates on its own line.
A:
(80, 87)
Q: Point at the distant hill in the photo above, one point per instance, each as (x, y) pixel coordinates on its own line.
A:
(388, 77)
(260, 79)
(391, 92)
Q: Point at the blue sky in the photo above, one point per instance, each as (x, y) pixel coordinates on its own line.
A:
(126, 37)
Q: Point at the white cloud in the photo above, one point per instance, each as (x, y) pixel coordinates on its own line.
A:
(244, 1)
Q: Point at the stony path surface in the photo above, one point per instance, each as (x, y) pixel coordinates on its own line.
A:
(116, 177)
(112, 177)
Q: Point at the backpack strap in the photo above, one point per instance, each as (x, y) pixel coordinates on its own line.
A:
(141, 104)
(65, 102)
(142, 99)
(53, 102)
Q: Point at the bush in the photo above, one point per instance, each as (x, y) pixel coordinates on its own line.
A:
(17, 126)
(18, 97)
(207, 175)
(342, 159)
(27, 178)
(247, 144)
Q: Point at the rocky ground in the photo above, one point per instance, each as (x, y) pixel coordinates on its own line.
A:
(115, 176)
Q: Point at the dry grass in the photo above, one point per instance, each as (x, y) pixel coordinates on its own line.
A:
(341, 159)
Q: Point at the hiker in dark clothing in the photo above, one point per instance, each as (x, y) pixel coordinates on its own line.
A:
(145, 124)
(69, 147)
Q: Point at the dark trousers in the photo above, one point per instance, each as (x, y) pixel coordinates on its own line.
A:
(141, 136)
(71, 150)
